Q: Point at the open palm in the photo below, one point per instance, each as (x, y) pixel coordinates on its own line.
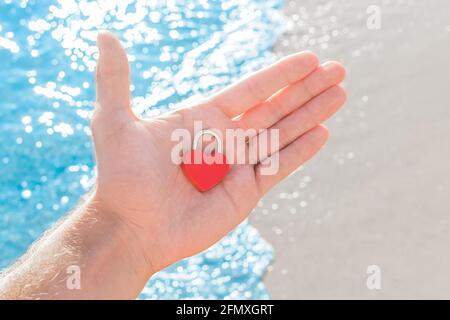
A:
(139, 183)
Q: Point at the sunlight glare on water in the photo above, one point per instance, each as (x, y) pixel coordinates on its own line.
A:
(178, 50)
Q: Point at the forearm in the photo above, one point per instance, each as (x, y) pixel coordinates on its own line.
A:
(89, 240)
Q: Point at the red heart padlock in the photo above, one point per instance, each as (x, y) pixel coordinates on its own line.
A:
(205, 171)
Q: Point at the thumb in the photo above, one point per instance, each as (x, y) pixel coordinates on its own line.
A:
(113, 79)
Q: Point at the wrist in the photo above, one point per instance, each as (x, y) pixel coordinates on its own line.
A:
(113, 246)
(108, 260)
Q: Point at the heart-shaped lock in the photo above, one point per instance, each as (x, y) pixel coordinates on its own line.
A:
(205, 171)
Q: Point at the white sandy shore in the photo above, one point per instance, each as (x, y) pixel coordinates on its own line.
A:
(378, 194)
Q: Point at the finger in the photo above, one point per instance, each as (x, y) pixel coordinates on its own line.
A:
(259, 86)
(293, 97)
(113, 78)
(309, 116)
(290, 158)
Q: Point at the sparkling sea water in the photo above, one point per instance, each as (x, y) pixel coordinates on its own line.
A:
(178, 50)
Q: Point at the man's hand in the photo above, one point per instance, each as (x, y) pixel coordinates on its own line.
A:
(138, 182)
(144, 214)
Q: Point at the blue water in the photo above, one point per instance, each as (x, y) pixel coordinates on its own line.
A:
(178, 49)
